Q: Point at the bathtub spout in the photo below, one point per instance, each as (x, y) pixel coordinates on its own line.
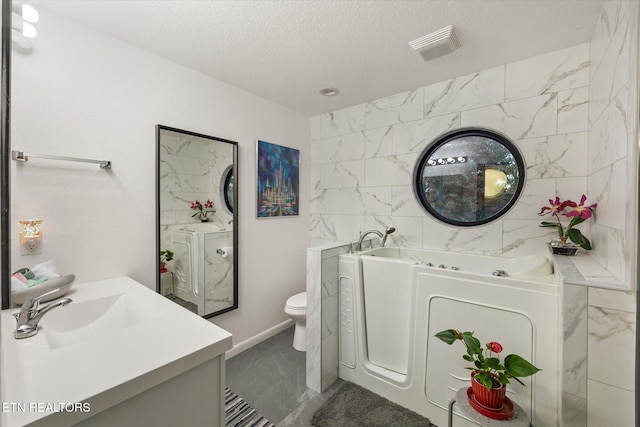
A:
(363, 235)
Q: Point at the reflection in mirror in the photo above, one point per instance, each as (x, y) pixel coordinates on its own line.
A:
(196, 196)
(469, 176)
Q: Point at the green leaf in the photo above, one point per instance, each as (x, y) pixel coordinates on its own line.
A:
(504, 379)
(467, 358)
(493, 362)
(515, 366)
(548, 224)
(484, 379)
(449, 336)
(471, 342)
(578, 238)
(575, 221)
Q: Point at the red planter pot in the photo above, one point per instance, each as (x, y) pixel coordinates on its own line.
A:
(492, 399)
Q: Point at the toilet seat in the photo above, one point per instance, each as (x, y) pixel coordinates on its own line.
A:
(297, 302)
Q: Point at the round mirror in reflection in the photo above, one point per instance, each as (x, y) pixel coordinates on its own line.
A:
(226, 188)
(469, 176)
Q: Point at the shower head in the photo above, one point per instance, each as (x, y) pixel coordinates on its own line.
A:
(386, 234)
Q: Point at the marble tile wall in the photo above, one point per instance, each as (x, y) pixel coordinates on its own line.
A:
(362, 157)
(568, 111)
(322, 316)
(190, 169)
(574, 356)
(611, 169)
(218, 272)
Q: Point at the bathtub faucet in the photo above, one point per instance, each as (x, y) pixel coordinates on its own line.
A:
(377, 233)
(365, 234)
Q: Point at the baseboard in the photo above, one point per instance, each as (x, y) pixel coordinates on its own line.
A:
(247, 344)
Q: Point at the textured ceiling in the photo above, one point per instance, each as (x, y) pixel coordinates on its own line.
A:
(285, 51)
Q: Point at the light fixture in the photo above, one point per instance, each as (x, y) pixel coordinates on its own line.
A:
(329, 91)
(495, 182)
(22, 18)
(24, 28)
(436, 44)
(30, 236)
(28, 12)
(447, 161)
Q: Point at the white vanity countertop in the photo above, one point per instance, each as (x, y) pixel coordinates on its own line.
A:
(145, 340)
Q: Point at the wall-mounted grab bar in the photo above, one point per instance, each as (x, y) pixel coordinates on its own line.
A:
(23, 157)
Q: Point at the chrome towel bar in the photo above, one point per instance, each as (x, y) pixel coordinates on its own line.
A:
(23, 157)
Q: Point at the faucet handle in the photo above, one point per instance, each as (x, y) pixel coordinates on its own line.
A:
(33, 303)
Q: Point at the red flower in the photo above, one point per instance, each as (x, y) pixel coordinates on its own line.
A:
(195, 205)
(208, 204)
(556, 206)
(585, 212)
(494, 346)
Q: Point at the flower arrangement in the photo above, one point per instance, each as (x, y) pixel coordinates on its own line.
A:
(203, 209)
(487, 368)
(578, 214)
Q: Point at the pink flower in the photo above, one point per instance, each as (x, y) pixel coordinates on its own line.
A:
(208, 204)
(494, 346)
(585, 212)
(195, 205)
(556, 206)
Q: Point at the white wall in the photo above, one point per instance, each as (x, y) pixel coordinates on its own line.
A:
(82, 94)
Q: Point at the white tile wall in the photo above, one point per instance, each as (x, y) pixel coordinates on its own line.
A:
(544, 109)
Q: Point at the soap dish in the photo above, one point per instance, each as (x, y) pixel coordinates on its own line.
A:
(62, 282)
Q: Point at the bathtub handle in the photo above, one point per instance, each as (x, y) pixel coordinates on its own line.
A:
(500, 273)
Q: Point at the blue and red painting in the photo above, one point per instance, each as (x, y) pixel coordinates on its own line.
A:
(278, 180)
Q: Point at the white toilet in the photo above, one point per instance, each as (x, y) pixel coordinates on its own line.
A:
(296, 308)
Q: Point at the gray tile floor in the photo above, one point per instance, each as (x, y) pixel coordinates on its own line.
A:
(271, 377)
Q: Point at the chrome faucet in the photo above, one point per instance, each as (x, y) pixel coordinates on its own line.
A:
(365, 234)
(376, 232)
(31, 313)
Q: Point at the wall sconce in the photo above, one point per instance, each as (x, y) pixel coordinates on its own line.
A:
(30, 237)
(22, 19)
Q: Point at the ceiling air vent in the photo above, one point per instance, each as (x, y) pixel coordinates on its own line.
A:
(436, 44)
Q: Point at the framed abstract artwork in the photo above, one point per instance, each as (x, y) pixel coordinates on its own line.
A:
(278, 179)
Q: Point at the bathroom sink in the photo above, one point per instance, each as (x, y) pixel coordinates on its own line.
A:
(88, 320)
(83, 351)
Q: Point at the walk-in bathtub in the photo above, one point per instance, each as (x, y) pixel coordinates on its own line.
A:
(201, 275)
(393, 301)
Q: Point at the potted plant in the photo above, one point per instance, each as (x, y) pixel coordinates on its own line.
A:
(489, 376)
(578, 214)
(165, 256)
(203, 209)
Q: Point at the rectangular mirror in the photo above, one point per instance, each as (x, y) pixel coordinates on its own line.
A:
(196, 220)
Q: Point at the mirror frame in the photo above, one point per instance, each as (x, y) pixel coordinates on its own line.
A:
(159, 129)
(443, 139)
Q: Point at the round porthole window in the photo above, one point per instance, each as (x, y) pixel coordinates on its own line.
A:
(226, 189)
(469, 176)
